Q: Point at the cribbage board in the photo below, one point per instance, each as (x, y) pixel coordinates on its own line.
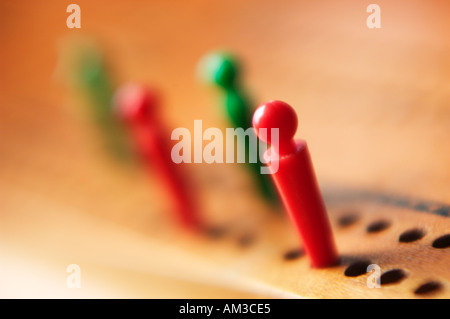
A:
(373, 106)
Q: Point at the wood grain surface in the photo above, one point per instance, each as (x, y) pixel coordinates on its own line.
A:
(373, 105)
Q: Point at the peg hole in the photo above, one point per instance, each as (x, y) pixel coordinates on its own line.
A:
(378, 226)
(293, 254)
(357, 268)
(347, 220)
(246, 240)
(215, 232)
(428, 288)
(443, 211)
(411, 235)
(392, 276)
(442, 242)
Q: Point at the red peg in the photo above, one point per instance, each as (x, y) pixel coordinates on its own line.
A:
(137, 106)
(295, 179)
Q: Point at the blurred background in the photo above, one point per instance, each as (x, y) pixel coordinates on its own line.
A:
(373, 105)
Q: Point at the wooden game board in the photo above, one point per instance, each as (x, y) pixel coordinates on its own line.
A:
(372, 104)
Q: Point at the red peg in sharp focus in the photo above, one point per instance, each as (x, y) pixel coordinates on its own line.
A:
(137, 106)
(291, 168)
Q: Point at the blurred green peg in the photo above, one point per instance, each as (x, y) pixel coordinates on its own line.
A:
(92, 77)
(223, 70)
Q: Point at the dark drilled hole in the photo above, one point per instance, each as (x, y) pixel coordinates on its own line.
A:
(357, 268)
(378, 226)
(392, 276)
(402, 202)
(347, 220)
(411, 235)
(422, 207)
(442, 242)
(293, 254)
(215, 232)
(428, 288)
(246, 240)
(443, 211)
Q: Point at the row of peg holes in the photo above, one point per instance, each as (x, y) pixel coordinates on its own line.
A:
(359, 268)
(392, 276)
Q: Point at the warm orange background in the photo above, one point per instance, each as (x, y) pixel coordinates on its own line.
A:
(373, 104)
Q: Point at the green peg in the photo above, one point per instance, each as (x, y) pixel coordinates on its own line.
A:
(222, 70)
(93, 79)
(236, 107)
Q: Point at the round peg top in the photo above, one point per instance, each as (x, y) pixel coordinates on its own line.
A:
(219, 68)
(135, 103)
(276, 115)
